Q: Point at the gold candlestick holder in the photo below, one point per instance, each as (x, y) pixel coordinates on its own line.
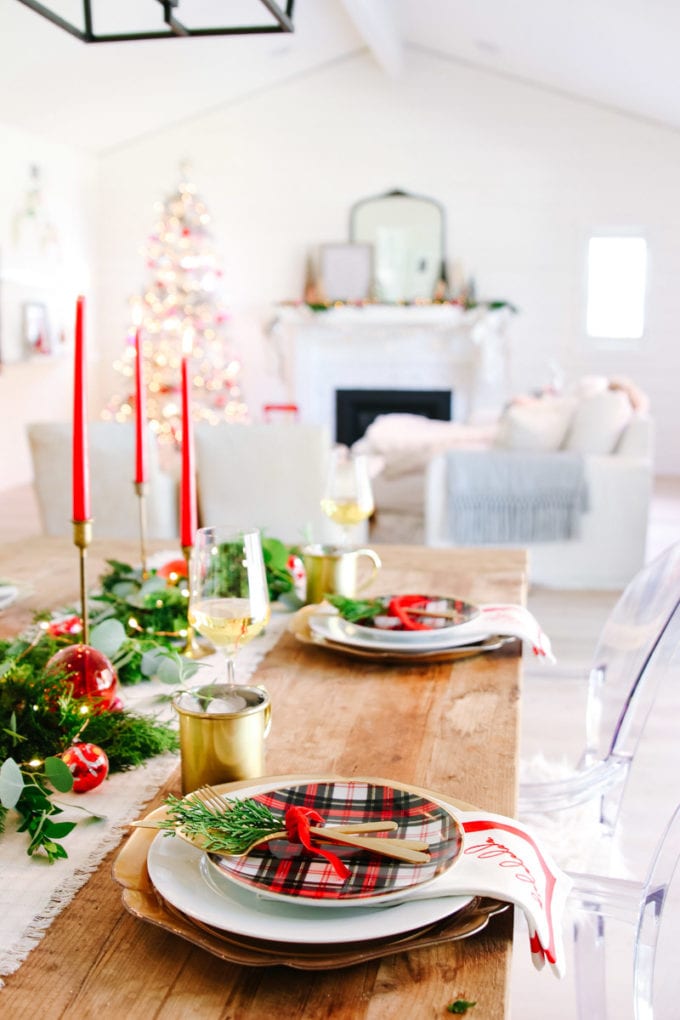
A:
(141, 489)
(195, 648)
(82, 536)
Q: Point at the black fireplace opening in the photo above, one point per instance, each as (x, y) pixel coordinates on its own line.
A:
(356, 409)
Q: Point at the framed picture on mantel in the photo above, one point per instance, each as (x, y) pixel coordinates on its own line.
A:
(346, 271)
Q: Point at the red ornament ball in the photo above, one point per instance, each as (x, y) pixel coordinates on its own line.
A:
(88, 765)
(89, 671)
(173, 570)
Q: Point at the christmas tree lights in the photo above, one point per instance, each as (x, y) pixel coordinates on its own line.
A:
(181, 294)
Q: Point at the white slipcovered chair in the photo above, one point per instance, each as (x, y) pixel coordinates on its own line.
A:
(267, 476)
(115, 508)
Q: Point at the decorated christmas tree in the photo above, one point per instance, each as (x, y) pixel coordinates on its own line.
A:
(179, 306)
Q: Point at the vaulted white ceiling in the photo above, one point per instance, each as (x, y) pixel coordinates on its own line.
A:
(619, 53)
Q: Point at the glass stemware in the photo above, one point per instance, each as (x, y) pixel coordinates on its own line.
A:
(229, 599)
(347, 497)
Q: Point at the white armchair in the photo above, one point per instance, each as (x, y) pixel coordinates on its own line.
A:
(112, 462)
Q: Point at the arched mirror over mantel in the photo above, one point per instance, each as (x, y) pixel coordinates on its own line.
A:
(407, 233)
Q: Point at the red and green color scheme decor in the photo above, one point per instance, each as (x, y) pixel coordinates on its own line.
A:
(88, 765)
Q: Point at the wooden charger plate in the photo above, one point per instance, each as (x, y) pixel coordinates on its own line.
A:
(300, 629)
(142, 900)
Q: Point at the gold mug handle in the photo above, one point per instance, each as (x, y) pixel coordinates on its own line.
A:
(267, 712)
(377, 564)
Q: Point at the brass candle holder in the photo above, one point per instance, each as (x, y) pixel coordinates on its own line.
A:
(82, 536)
(195, 648)
(141, 489)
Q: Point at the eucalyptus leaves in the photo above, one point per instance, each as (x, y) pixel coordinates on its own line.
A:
(139, 623)
(28, 791)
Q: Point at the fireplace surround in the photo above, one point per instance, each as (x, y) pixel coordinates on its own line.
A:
(393, 348)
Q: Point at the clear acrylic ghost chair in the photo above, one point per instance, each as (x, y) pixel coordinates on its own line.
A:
(621, 693)
(650, 906)
(620, 884)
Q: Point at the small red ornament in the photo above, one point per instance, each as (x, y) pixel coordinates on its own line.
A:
(88, 765)
(89, 671)
(66, 625)
(173, 570)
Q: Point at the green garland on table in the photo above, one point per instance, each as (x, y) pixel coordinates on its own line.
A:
(140, 624)
(39, 721)
(151, 612)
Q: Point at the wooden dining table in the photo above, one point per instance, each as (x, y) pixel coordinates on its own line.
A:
(450, 727)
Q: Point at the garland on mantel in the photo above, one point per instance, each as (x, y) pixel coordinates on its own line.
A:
(468, 305)
(140, 624)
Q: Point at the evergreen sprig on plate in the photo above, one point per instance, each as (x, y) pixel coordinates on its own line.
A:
(242, 823)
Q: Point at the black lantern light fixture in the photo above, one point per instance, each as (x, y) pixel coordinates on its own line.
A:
(125, 20)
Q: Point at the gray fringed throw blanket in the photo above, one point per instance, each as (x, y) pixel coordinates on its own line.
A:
(497, 496)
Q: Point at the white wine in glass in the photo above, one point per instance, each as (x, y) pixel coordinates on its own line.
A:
(347, 498)
(229, 599)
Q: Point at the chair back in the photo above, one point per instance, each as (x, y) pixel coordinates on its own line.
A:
(609, 914)
(115, 507)
(267, 476)
(656, 974)
(622, 688)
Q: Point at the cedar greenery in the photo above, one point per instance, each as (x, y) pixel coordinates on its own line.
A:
(140, 623)
(355, 610)
(233, 832)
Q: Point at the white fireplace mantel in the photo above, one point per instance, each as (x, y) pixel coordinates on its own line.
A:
(414, 347)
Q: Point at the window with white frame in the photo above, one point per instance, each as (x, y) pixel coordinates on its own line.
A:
(617, 287)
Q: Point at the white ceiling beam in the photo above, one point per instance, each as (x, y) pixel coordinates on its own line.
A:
(375, 20)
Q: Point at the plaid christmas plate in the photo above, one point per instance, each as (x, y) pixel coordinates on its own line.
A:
(282, 869)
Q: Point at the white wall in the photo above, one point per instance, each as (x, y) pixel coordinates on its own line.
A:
(524, 175)
(40, 389)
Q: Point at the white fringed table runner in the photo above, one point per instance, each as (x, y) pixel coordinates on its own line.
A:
(33, 892)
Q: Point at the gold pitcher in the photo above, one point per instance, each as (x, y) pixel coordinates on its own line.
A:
(334, 571)
(222, 730)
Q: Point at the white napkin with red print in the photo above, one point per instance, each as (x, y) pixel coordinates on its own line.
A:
(501, 858)
(508, 620)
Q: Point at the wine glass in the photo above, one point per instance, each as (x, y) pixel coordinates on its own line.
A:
(347, 497)
(229, 599)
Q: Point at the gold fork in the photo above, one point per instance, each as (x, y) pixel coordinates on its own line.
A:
(413, 851)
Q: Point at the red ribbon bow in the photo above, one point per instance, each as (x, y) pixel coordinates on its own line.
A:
(399, 607)
(297, 828)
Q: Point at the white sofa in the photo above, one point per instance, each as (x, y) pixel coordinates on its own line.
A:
(603, 425)
(610, 544)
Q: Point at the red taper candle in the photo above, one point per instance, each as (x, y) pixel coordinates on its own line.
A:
(81, 453)
(140, 413)
(188, 514)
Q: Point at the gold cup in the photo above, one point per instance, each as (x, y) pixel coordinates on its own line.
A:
(334, 571)
(222, 730)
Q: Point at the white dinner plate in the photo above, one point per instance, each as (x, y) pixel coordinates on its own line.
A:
(334, 628)
(183, 877)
